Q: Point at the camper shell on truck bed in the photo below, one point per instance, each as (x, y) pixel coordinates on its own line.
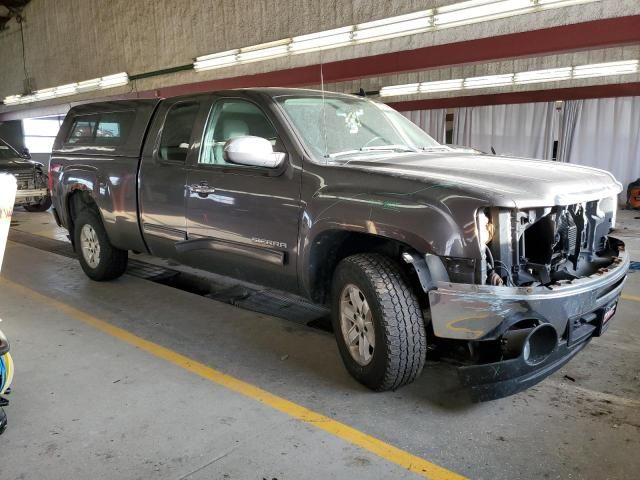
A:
(88, 132)
(504, 264)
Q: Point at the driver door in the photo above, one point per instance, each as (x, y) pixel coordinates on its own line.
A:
(242, 221)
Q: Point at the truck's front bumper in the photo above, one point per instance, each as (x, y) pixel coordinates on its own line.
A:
(500, 379)
(485, 313)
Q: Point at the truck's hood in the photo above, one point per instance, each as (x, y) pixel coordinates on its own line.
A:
(506, 181)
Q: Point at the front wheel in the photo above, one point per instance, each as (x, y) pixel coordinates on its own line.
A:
(378, 322)
(42, 206)
(98, 258)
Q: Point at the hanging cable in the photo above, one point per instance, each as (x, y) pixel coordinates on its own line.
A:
(20, 21)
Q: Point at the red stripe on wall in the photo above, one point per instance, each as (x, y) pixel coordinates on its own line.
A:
(574, 93)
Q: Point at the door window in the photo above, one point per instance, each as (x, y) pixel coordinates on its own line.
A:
(176, 133)
(231, 119)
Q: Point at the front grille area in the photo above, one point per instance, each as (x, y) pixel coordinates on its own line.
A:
(25, 180)
(544, 245)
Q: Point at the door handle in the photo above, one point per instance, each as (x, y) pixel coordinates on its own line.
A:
(203, 189)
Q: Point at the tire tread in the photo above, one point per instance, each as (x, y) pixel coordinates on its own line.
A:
(403, 324)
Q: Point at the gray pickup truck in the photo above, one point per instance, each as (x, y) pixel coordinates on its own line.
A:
(503, 265)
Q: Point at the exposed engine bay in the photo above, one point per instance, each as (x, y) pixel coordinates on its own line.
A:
(30, 179)
(543, 246)
(31, 184)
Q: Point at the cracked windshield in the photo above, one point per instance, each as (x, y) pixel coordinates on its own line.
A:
(341, 127)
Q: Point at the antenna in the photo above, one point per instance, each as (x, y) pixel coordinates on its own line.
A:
(324, 111)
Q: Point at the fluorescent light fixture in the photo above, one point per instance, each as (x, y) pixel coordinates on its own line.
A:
(12, 99)
(322, 40)
(213, 56)
(441, 86)
(424, 87)
(216, 60)
(545, 4)
(475, 11)
(461, 13)
(622, 67)
(548, 75)
(45, 93)
(408, 89)
(394, 26)
(264, 54)
(88, 85)
(28, 98)
(488, 81)
(115, 80)
(108, 81)
(264, 51)
(602, 69)
(68, 89)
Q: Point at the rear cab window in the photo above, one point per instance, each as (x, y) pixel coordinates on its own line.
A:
(104, 129)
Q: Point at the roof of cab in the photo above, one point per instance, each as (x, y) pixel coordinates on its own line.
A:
(282, 91)
(113, 105)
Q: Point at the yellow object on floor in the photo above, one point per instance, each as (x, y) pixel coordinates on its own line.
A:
(6, 372)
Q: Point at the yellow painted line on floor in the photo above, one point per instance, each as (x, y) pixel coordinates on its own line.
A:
(633, 298)
(384, 450)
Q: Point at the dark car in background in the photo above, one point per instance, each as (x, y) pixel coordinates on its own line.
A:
(33, 191)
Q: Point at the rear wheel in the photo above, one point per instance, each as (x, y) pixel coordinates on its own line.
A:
(42, 206)
(99, 259)
(378, 322)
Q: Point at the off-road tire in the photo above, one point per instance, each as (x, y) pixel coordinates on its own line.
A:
(43, 206)
(3, 421)
(400, 338)
(112, 261)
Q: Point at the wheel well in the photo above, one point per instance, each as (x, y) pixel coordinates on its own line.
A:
(329, 248)
(77, 202)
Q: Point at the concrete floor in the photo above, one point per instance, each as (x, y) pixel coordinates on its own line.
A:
(86, 404)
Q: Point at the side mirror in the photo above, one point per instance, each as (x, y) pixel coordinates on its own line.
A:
(24, 153)
(252, 151)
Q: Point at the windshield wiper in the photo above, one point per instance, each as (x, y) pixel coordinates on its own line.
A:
(377, 148)
(437, 148)
(394, 148)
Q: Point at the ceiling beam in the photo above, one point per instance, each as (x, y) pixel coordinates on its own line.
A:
(580, 36)
(575, 37)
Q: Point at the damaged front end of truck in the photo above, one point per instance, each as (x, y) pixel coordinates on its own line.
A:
(547, 282)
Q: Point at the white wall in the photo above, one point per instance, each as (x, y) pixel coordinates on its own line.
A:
(607, 136)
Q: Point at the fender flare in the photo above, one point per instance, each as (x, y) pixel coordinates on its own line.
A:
(423, 228)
